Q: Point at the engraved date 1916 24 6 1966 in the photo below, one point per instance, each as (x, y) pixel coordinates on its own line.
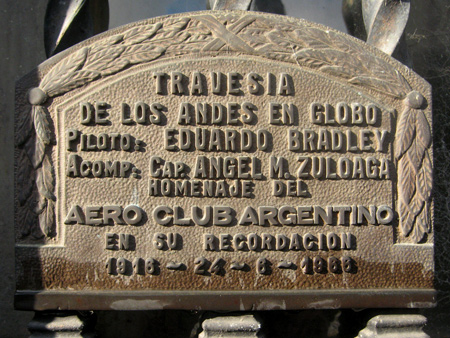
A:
(202, 266)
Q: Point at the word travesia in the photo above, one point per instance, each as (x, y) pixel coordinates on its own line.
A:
(279, 242)
(217, 83)
(272, 215)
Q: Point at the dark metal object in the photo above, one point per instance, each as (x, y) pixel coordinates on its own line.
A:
(385, 21)
(381, 23)
(268, 6)
(70, 22)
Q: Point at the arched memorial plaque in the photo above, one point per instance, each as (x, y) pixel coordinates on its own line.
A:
(223, 160)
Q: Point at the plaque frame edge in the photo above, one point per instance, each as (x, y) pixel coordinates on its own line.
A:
(224, 300)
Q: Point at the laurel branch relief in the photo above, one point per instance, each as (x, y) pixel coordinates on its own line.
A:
(324, 51)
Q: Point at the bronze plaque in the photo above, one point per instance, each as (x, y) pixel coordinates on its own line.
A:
(223, 160)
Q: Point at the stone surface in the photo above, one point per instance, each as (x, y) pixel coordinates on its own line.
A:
(21, 50)
(59, 325)
(246, 326)
(398, 326)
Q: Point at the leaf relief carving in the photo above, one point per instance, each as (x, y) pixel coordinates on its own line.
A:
(413, 140)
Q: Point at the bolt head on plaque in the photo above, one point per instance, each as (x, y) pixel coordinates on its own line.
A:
(415, 100)
(36, 96)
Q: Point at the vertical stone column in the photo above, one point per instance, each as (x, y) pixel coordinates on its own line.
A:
(398, 326)
(60, 324)
(246, 326)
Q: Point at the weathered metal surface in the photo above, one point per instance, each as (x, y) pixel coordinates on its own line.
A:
(185, 157)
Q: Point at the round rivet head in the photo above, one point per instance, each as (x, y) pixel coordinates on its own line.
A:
(415, 100)
(37, 96)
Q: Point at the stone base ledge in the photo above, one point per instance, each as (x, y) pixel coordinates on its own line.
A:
(395, 326)
(246, 326)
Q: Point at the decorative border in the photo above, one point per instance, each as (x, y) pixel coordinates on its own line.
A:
(325, 51)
